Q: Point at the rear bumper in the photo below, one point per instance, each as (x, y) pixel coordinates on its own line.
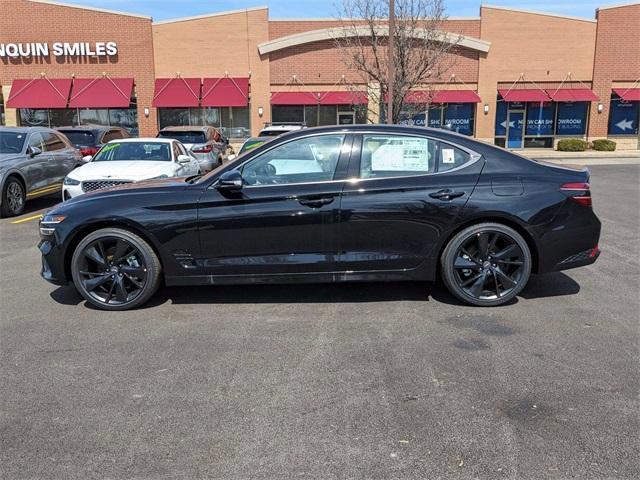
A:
(586, 257)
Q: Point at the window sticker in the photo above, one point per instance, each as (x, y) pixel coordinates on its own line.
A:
(401, 155)
(448, 155)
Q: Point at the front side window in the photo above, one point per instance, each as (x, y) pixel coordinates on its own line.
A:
(311, 159)
(134, 151)
(396, 156)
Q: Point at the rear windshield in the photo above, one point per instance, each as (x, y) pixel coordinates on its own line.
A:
(185, 137)
(272, 133)
(82, 138)
(151, 151)
(11, 142)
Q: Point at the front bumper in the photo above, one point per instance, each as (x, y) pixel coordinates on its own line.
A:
(53, 270)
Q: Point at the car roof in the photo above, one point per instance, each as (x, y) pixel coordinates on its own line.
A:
(186, 128)
(26, 129)
(143, 140)
(87, 127)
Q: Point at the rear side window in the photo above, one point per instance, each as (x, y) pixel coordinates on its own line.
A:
(397, 156)
(451, 157)
(111, 135)
(52, 142)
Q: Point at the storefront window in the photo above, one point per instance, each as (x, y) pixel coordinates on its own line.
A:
(501, 119)
(287, 113)
(233, 122)
(539, 119)
(318, 115)
(623, 117)
(459, 117)
(572, 118)
(2, 121)
(62, 117)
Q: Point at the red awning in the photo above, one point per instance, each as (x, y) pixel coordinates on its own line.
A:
(628, 94)
(176, 92)
(524, 95)
(101, 92)
(294, 98)
(456, 96)
(39, 93)
(225, 92)
(573, 95)
(343, 98)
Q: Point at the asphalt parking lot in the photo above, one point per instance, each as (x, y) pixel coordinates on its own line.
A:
(362, 381)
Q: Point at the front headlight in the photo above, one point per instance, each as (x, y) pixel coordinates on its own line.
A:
(49, 222)
(71, 181)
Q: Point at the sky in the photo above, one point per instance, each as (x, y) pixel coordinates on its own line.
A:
(170, 9)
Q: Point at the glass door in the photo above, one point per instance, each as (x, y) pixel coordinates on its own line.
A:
(515, 128)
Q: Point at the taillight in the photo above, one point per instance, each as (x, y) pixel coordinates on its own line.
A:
(88, 151)
(202, 149)
(579, 193)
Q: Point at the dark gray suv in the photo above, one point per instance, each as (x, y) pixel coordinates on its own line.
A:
(33, 163)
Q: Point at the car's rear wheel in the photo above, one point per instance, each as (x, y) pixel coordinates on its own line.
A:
(114, 269)
(13, 198)
(486, 264)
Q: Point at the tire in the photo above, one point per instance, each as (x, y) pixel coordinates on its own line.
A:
(13, 198)
(115, 269)
(490, 276)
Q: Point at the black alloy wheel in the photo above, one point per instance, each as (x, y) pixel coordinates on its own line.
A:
(486, 264)
(13, 198)
(114, 269)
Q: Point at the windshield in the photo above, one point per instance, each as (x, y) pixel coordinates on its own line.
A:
(151, 151)
(82, 138)
(250, 145)
(11, 142)
(185, 137)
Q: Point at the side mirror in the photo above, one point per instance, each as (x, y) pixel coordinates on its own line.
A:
(183, 159)
(230, 181)
(33, 151)
(87, 158)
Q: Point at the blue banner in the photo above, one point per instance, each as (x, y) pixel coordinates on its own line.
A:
(459, 117)
(623, 118)
(501, 118)
(572, 118)
(540, 119)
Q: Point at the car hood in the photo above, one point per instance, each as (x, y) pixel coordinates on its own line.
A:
(6, 157)
(125, 170)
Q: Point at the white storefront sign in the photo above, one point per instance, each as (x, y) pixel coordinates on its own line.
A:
(58, 49)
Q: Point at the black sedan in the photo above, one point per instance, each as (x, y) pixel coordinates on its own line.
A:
(330, 204)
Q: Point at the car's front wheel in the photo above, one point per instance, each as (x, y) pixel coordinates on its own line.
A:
(13, 198)
(486, 264)
(114, 269)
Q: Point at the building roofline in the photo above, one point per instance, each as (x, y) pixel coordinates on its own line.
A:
(311, 36)
(534, 12)
(93, 9)
(210, 15)
(329, 19)
(617, 5)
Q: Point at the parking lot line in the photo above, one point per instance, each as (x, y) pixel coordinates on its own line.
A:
(27, 219)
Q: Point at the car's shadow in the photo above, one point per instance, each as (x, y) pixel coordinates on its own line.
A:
(549, 285)
(41, 203)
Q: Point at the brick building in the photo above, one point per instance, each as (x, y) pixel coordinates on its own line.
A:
(519, 78)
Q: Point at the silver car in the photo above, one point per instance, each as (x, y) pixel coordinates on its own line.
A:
(205, 142)
(33, 163)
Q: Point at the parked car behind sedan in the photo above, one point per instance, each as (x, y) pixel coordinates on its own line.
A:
(33, 162)
(131, 160)
(90, 138)
(205, 142)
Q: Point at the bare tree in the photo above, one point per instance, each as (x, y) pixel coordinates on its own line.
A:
(422, 50)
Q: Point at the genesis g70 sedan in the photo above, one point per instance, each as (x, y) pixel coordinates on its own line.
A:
(331, 204)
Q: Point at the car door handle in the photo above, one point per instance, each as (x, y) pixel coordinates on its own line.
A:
(315, 202)
(446, 194)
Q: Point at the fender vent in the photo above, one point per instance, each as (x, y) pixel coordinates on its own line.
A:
(184, 258)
